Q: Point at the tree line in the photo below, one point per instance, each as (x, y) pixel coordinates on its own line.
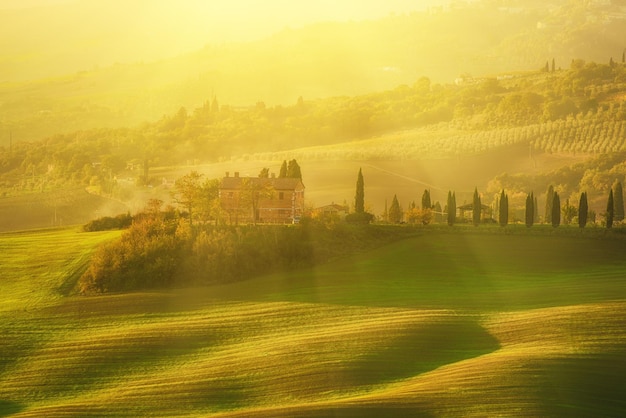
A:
(555, 214)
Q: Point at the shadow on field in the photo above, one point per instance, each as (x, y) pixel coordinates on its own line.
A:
(420, 349)
(9, 408)
(363, 411)
(585, 386)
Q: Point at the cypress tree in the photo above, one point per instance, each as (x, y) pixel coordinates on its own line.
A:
(506, 212)
(610, 210)
(451, 204)
(530, 211)
(503, 209)
(583, 210)
(556, 210)
(536, 210)
(618, 202)
(426, 203)
(553, 65)
(476, 208)
(359, 199)
(549, 201)
(395, 213)
(283, 170)
(293, 170)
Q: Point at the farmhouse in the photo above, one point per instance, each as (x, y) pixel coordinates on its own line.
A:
(466, 211)
(261, 200)
(332, 211)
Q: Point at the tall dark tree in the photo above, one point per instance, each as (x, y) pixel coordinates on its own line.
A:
(583, 210)
(395, 212)
(264, 173)
(283, 170)
(618, 202)
(451, 207)
(293, 170)
(553, 65)
(610, 210)
(530, 210)
(556, 210)
(536, 208)
(359, 199)
(426, 203)
(549, 201)
(476, 208)
(503, 209)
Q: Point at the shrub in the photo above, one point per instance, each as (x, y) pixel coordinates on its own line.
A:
(108, 223)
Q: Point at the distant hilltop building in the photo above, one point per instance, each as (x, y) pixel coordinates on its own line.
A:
(261, 199)
(332, 211)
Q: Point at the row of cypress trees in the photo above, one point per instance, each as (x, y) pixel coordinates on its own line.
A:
(614, 210)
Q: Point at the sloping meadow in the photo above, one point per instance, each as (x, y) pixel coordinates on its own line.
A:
(435, 325)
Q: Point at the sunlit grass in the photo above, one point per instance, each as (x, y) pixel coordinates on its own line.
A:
(39, 267)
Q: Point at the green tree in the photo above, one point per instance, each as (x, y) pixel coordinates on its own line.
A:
(618, 202)
(359, 199)
(426, 203)
(536, 210)
(451, 208)
(293, 170)
(568, 212)
(530, 210)
(583, 210)
(476, 208)
(209, 207)
(252, 192)
(556, 210)
(549, 202)
(187, 192)
(395, 212)
(503, 209)
(610, 210)
(265, 173)
(283, 170)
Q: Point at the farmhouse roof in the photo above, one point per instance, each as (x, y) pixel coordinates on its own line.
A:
(470, 206)
(282, 183)
(331, 207)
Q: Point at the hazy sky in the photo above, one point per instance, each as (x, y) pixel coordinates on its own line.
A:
(40, 38)
(228, 20)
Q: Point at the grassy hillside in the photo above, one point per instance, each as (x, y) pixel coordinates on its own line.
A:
(445, 324)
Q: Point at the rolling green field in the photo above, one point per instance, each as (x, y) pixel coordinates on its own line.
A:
(443, 324)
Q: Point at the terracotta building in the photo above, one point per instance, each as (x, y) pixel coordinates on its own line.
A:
(262, 200)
